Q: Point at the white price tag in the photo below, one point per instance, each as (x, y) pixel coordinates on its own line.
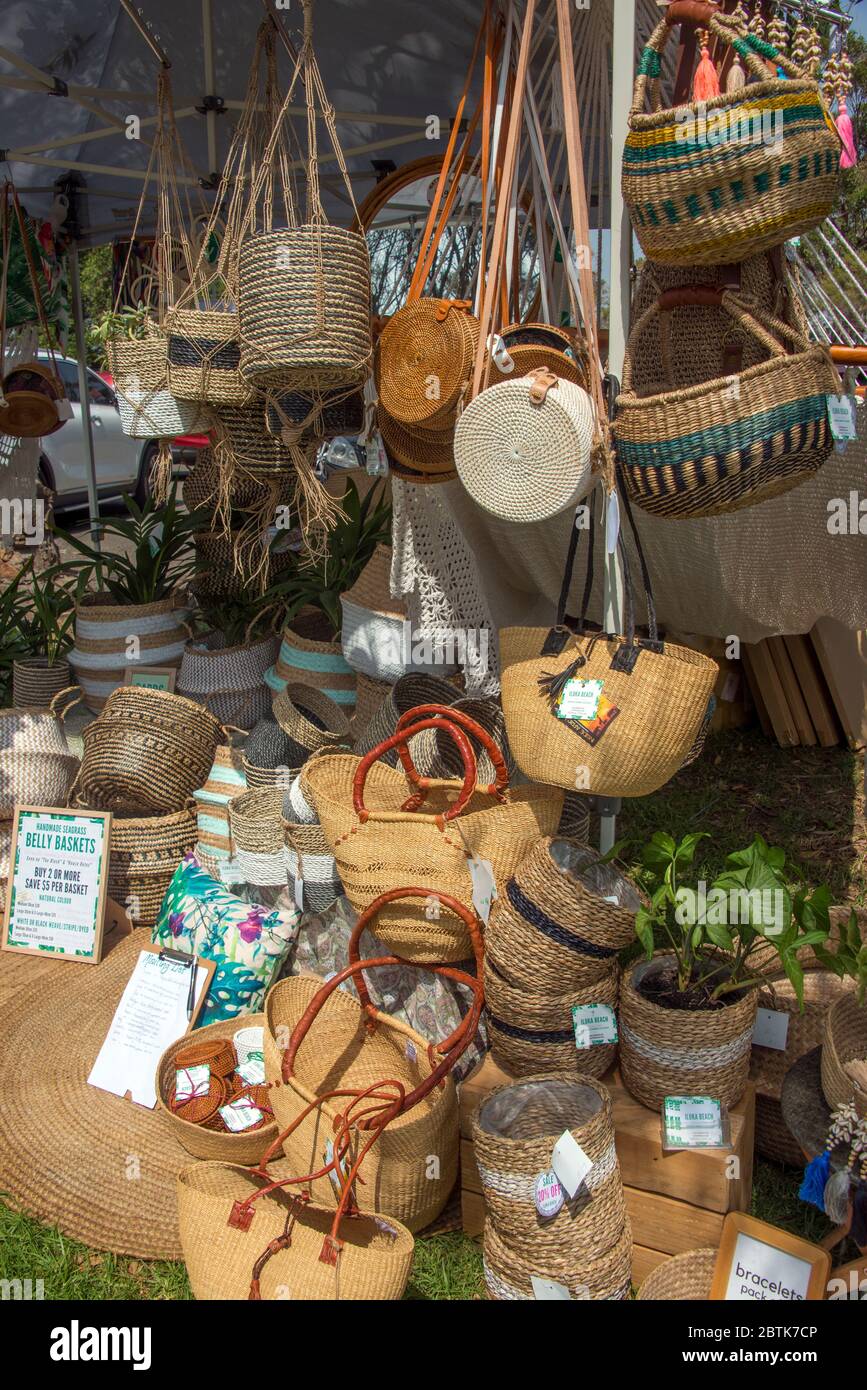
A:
(693, 1122)
(580, 699)
(841, 417)
(597, 1023)
(229, 871)
(192, 1081)
(771, 1029)
(612, 522)
(64, 409)
(484, 887)
(240, 1115)
(549, 1289)
(253, 1071)
(570, 1163)
(299, 892)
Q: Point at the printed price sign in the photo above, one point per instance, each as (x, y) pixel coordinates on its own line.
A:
(580, 699)
(58, 868)
(841, 417)
(594, 1025)
(694, 1122)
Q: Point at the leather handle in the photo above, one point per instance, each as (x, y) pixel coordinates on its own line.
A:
(691, 12)
(397, 740)
(691, 296)
(466, 914)
(448, 714)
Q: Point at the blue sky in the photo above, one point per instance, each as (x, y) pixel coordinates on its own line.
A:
(860, 18)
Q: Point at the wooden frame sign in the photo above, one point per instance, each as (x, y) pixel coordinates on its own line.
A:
(151, 677)
(758, 1261)
(58, 876)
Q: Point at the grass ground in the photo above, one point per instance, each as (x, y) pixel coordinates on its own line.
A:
(809, 801)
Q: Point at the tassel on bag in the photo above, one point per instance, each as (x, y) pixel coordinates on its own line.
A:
(706, 81)
(816, 1175)
(849, 157)
(736, 78)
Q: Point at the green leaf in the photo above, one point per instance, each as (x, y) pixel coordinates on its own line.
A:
(644, 930)
(720, 936)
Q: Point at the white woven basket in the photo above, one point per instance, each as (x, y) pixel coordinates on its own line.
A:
(523, 448)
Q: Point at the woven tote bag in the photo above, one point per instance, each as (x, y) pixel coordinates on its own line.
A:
(533, 1030)
(685, 1277)
(652, 696)
(372, 1262)
(677, 1052)
(716, 181)
(145, 851)
(845, 1041)
(514, 1131)
(103, 628)
(319, 1038)
(523, 448)
(229, 681)
(734, 440)
(379, 837)
(148, 750)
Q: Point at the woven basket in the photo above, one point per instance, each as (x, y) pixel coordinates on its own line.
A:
(36, 681)
(685, 1277)
(429, 454)
(147, 751)
(508, 1274)
(145, 851)
(515, 1129)
(372, 632)
(225, 780)
(148, 409)
(229, 681)
(523, 447)
(304, 304)
(435, 755)
(550, 929)
(415, 688)
(733, 440)
(675, 1052)
(532, 345)
(311, 719)
(201, 487)
(769, 1065)
(30, 730)
(34, 779)
(102, 632)
(204, 355)
(340, 1053)
(311, 869)
(423, 361)
(299, 419)
(380, 846)
(695, 198)
(246, 1146)
(374, 1261)
(257, 826)
(532, 1030)
(845, 1041)
(370, 696)
(254, 454)
(575, 820)
(319, 664)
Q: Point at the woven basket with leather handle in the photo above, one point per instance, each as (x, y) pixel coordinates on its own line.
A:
(423, 362)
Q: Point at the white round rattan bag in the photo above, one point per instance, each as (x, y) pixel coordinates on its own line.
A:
(523, 447)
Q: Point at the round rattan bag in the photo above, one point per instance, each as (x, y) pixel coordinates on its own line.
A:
(423, 361)
(523, 448)
(532, 345)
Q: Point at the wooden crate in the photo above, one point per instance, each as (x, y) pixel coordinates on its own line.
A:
(676, 1201)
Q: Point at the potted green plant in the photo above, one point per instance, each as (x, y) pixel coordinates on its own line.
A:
(44, 619)
(688, 1009)
(309, 594)
(131, 608)
(13, 642)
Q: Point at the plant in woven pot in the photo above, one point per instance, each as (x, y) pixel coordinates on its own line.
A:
(224, 666)
(130, 609)
(687, 1012)
(44, 615)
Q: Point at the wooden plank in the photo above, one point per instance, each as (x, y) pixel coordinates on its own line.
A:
(814, 690)
(699, 1175)
(471, 1180)
(843, 657)
(763, 675)
(663, 1223)
(473, 1214)
(644, 1262)
(792, 691)
(755, 694)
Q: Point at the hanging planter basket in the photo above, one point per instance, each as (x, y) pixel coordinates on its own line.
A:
(204, 355)
(148, 409)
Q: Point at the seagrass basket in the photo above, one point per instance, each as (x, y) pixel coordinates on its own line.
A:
(533, 1030)
(225, 780)
(509, 1274)
(311, 870)
(145, 851)
(298, 418)
(34, 778)
(685, 1277)
(204, 356)
(514, 1131)
(148, 409)
(308, 659)
(304, 305)
(35, 681)
(229, 681)
(311, 719)
(845, 1041)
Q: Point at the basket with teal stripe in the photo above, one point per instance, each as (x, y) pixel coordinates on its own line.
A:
(726, 443)
(712, 182)
(306, 661)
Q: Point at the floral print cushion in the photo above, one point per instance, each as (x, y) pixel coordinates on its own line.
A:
(248, 942)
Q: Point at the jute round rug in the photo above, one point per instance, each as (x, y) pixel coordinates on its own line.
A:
(96, 1166)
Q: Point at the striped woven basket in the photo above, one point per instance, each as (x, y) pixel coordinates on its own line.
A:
(311, 868)
(685, 1277)
(533, 1030)
(102, 632)
(204, 356)
(225, 780)
(554, 927)
(509, 1275)
(34, 778)
(35, 681)
(304, 305)
(515, 1129)
(316, 663)
(242, 438)
(201, 487)
(229, 681)
(845, 1041)
(423, 362)
(415, 688)
(294, 417)
(148, 409)
(372, 632)
(695, 197)
(145, 851)
(732, 441)
(675, 1052)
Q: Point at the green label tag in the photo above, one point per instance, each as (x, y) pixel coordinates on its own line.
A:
(594, 1025)
(841, 417)
(693, 1122)
(580, 699)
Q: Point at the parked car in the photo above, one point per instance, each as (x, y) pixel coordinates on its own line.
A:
(122, 464)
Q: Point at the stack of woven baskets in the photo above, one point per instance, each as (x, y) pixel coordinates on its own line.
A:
(542, 1226)
(36, 767)
(551, 969)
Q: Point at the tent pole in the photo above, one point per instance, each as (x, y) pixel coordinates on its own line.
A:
(84, 396)
(210, 82)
